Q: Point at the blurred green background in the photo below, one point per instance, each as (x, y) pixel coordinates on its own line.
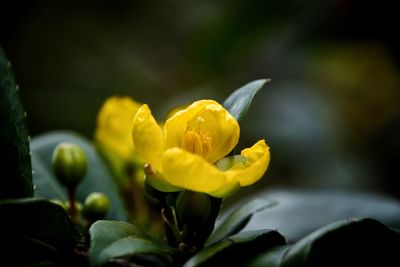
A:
(330, 114)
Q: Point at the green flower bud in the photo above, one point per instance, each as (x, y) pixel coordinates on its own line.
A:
(96, 206)
(69, 164)
(193, 208)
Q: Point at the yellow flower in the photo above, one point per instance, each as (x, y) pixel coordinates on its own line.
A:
(189, 152)
(113, 138)
(114, 125)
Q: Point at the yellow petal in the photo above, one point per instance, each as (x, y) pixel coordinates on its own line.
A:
(147, 137)
(189, 171)
(205, 128)
(114, 122)
(226, 190)
(174, 110)
(250, 171)
(157, 181)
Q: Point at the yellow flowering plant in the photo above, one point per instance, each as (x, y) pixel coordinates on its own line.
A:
(61, 206)
(190, 165)
(188, 161)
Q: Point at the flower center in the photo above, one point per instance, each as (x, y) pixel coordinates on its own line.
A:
(197, 142)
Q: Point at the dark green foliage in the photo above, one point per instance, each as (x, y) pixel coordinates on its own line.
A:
(237, 249)
(239, 218)
(355, 242)
(113, 239)
(300, 212)
(34, 230)
(15, 162)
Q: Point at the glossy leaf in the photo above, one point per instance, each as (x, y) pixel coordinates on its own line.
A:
(36, 227)
(114, 239)
(97, 179)
(300, 212)
(237, 249)
(240, 100)
(239, 218)
(271, 258)
(355, 242)
(15, 162)
(45, 183)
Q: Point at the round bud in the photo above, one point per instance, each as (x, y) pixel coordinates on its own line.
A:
(96, 206)
(193, 208)
(69, 164)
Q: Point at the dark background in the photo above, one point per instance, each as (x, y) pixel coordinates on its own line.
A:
(330, 114)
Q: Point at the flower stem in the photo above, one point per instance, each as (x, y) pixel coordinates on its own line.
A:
(73, 212)
(170, 221)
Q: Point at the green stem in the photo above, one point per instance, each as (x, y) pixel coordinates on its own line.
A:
(186, 243)
(141, 208)
(170, 221)
(73, 212)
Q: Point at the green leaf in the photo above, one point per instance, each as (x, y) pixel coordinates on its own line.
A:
(97, 179)
(271, 257)
(347, 242)
(239, 101)
(15, 162)
(104, 232)
(355, 242)
(237, 249)
(113, 239)
(36, 227)
(45, 183)
(300, 212)
(239, 218)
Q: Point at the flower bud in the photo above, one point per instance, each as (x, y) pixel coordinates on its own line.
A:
(193, 208)
(96, 206)
(69, 164)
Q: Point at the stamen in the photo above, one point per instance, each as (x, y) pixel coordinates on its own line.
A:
(197, 141)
